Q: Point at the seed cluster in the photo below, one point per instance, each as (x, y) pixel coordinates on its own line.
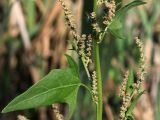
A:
(80, 41)
(57, 112)
(124, 85)
(68, 16)
(126, 101)
(94, 22)
(69, 20)
(89, 46)
(85, 48)
(142, 69)
(88, 54)
(125, 97)
(81, 45)
(94, 87)
(100, 2)
(111, 12)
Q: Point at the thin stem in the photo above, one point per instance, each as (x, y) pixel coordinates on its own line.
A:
(95, 5)
(99, 80)
(102, 35)
(98, 73)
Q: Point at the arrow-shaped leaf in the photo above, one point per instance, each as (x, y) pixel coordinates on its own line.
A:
(60, 85)
(116, 26)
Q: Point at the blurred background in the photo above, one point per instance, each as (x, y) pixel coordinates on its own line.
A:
(34, 38)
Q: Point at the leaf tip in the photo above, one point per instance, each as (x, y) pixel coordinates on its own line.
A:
(4, 110)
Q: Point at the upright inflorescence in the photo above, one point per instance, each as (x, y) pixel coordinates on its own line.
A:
(80, 41)
(69, 20)
(88, 54)
(68, 16)
(81, 45)
(94, 87)
(124, 85)
(126, 102)
(89, 46)
(57, 112)
(142, 69)
(126, 99)
(111, 6)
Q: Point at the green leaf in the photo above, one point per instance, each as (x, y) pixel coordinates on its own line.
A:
(59, 86)
(130, 82)
(133, 104)
(122, 11)
(116, 27)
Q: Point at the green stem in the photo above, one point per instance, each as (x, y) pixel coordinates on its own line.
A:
(102, 35)
(99, 80)
(98, 73)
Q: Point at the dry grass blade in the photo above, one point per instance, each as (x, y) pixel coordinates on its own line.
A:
(16, 11)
